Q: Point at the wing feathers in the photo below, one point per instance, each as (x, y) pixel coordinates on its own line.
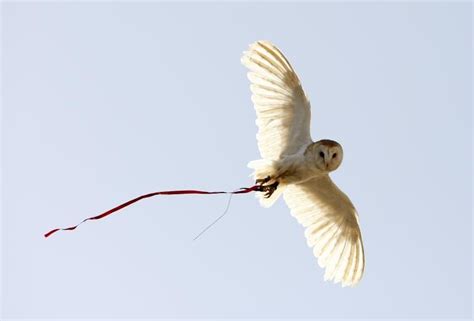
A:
(276, 53)
(332, 228)
(262, 81)
(335, 257)
(283, 111)
(342, 263)
(266, 91)
(266, 63)
(261, 67)
(349, 267)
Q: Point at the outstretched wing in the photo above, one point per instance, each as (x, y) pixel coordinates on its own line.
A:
(332, 228)
(283, 111)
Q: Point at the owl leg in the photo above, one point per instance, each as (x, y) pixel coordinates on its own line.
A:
(262, 181)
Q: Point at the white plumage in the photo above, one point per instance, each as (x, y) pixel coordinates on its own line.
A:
(283, 111)
(295, 166)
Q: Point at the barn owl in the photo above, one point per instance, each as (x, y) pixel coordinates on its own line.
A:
(294, 166)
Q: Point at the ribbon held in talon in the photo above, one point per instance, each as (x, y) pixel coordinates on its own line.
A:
(243, 190)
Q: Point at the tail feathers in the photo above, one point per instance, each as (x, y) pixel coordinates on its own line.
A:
(262, 169)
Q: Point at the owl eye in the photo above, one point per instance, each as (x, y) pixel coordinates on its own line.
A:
(321, 154)
(334, 155)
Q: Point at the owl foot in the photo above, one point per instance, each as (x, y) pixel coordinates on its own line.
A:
(267, 189)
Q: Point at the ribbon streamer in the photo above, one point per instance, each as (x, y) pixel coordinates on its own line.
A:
(244, 190)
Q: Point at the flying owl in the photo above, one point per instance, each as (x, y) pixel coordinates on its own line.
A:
(295, 166)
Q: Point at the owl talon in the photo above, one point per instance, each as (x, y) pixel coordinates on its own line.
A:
(269, 189)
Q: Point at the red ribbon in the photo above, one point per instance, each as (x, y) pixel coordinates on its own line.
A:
(244, 190)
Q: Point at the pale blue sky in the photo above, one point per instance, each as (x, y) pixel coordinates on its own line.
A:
(106, 101)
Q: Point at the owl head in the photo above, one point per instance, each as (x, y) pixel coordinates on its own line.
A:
(326, 154)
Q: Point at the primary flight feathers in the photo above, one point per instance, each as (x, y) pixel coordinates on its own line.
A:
(283, 111)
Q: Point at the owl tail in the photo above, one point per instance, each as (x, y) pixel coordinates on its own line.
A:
(262, 169)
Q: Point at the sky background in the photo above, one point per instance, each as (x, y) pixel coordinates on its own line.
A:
(106, 101)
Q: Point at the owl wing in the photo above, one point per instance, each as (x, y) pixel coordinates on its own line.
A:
(283, 111)
(332, 228)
